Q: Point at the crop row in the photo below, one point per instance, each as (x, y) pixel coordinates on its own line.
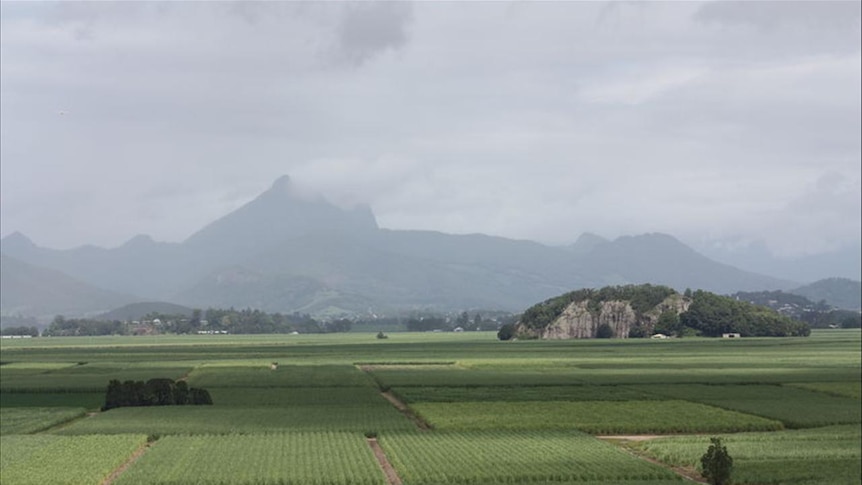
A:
(83, 378)
(521, 393)
(88, 400)
(281, 376)
(293, 396)
(811, 456)
(846, 389)
(630, 374)
(33, 419)
(597, 417)
(513, 457)
(63, 460)
(173, 420)
(795, 407)
(317, 458)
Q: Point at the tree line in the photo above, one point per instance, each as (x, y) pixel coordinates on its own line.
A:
(154, 392)
(246, 321)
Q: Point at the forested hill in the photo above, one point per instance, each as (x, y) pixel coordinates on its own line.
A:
(644, 310)
(840, 293)
(817, 314)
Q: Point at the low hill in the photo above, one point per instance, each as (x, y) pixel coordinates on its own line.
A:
(642, 310)
(137, 311)
(840, 293)
(797, 307)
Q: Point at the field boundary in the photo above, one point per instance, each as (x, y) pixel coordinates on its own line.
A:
(406, 411)
(621, 441)
(126, 464)
(388, 470)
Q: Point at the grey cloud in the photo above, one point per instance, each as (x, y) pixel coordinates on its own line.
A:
(529, 120)
(368, 29)
(771, 15)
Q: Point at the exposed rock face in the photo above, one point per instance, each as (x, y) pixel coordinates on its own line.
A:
(582, 320)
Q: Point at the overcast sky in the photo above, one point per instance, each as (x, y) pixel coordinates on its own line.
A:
(725, 123)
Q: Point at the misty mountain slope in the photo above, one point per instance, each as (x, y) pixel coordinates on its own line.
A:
(279, 214)
(273, 292)
(290, 251)
(662, 259)
(141, 266)
(31, 290)
(838, 292)
(370, 267)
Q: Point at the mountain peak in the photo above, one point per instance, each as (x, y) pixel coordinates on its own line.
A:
(282, 184)
(139, 240)
(587, 242)
(16, 240)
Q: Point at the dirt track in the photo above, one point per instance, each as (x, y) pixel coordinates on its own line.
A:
(132, 459)
(391, 475)
(686, 473)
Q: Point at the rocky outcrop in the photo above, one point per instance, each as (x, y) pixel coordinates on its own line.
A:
(582, 319)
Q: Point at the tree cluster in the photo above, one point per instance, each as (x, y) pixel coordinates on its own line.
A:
(247, 321)
(708, 314)
(712, 315)
(63, 327)
(642, 298)
(32, 330)
(816, 314)
(154, 392)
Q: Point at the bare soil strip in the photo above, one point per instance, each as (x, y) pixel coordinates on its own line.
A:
(388, 470)
(120, 469)
(406, 411)
(622, 440)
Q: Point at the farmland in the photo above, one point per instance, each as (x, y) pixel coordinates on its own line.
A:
(477, 410)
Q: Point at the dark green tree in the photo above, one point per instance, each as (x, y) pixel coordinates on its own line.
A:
(181, 393)
(668, 323)
(507, 332)
(716, 463)
(114, 395)
(604, 331)
(200, 396)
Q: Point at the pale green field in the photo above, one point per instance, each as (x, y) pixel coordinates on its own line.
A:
(502, 412)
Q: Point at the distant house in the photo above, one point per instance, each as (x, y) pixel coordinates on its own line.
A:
(730, 335)
(659, 336)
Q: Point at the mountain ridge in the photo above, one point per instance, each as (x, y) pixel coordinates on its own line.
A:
(296, 250)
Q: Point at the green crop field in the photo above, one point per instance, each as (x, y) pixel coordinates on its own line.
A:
(795, 407)
(521, 393)
(597, 417)
(282, 376)
(23, 420)
(514, 457)
(313, 458)
(846, 389)
(500, 412)
(165, 420)
(63, 460)
(828, 455)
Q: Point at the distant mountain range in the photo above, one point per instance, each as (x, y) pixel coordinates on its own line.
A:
(286, 251)
(34, 291)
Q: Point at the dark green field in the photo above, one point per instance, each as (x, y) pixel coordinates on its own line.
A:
(472, 401)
